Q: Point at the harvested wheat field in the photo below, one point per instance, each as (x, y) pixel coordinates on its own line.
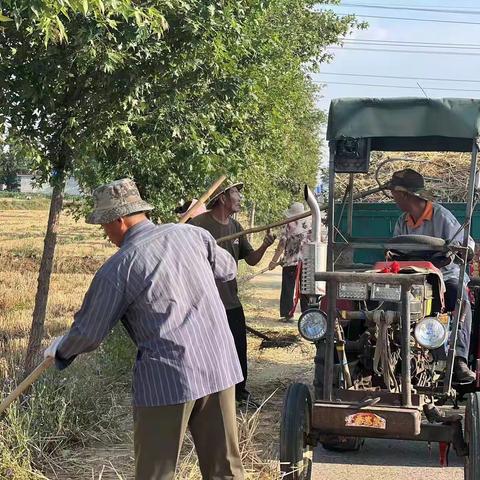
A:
(76, 424)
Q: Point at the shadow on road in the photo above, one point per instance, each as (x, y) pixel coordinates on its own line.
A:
(388, 453)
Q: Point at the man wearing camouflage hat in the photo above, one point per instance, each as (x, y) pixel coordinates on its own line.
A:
(161, 285)
(422, 216)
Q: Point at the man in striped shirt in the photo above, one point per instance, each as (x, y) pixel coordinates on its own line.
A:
(161, 285)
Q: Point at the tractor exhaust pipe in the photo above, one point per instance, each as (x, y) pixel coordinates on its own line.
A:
(316, 216)
(313, 253)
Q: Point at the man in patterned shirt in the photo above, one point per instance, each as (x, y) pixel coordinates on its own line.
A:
(161, 286)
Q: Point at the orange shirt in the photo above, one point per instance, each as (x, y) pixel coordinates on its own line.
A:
(426, 215)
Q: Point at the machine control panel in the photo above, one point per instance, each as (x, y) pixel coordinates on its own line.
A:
(352, 155)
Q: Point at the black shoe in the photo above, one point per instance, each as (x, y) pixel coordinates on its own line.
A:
(461, 372)
(245, 400)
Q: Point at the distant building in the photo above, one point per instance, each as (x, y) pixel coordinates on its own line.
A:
(26, 185)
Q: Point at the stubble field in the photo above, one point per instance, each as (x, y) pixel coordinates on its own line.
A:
(76, 424)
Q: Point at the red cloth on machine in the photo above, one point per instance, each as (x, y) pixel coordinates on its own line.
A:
(419, 266)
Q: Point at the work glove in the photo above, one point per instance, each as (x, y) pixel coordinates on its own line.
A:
(51, 350)
(269, 239)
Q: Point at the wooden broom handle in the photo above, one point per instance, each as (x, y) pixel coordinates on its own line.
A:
(266, 227)
(47, 363)
(202, 200)
(357, 196)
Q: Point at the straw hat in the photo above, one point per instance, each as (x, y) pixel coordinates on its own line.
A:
(220, 191)
(296, 208)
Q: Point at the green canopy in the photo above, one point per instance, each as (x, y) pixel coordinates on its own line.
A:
(407, 124)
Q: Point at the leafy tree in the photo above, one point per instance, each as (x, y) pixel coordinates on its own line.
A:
(64, 79)
(168, 92)
(10, 166)
(237, 98)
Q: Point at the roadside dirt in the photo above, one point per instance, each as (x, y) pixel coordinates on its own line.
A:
(271, 371)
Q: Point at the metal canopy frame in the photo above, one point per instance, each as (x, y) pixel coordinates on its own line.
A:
(406, 124)
(333, 280)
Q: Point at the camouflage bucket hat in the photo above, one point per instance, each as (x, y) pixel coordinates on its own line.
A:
(409, 181)
(117, 199)
(220, 191)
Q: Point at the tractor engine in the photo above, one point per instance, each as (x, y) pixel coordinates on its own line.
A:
(372, 337)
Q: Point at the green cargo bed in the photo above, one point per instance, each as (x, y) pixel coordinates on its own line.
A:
(373, 221)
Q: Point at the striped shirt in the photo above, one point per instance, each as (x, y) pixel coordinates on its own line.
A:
(161, 285)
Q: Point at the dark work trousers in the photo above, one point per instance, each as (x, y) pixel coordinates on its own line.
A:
(236, 321)
(288, 292)
(159, 433)
(464, 329)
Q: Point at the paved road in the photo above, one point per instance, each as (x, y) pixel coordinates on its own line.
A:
(386, 460)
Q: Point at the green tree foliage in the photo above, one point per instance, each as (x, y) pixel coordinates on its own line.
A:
(169, 92)
(11, 165)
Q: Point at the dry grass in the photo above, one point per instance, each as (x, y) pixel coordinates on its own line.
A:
(107, 452)
(445, 173)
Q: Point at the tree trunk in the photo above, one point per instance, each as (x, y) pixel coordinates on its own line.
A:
(44, 274)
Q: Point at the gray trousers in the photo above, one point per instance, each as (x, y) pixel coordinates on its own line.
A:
(159, 434)
(465, 328)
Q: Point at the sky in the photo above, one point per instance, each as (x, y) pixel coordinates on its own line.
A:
(460, 63)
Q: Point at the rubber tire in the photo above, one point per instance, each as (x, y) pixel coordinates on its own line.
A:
(472, 437)
(295, 453)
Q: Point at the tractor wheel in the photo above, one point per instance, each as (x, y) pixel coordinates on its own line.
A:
(472, 437)
(295, 452)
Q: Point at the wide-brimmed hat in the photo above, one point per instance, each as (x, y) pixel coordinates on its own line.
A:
(221, 190)
(409, 181)
(296, 208)
(116, 199)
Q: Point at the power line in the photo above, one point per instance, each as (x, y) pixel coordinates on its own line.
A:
(429, 52)
(407, 42)
(398, 77)
(431, 20)
(399, 43)
(397, 86)
(415, 9)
